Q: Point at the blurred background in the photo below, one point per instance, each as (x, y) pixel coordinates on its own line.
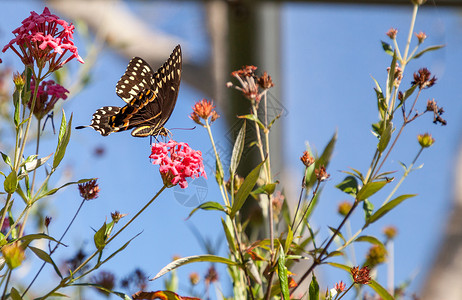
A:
(321, 56)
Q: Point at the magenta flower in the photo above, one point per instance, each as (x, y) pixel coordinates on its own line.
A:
(48, 94)
(43, 39)
(177, 162)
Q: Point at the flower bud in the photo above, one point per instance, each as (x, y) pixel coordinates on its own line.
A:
(425, 140)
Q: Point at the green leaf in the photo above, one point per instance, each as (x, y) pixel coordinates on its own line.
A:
(237, 150)
(265, 189)
(431, 48)
(289, 239)
(245, 189)
(210, 205)
(385, 136)
(339, 234)
(282, 274)
(46, 258)
(387, 48)
(6, 159)
(409, 92)
(274, 120)
(368, 208)
(349, 185)
(17, 107)
(192, 259)
(387, 207)
(339, 266)
(11, 183)
(323, 160)
(63, 140)
(229, 236)
(380, 290)
(313, 290)
(14, 294)
(119, 294)
(35, 163)
(370, 189)
(391, 76)
(36, 236)
(100, 237)
(253, 118)
(44, 193)
(369, 239)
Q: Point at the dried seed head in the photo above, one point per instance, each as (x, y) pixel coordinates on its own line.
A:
(422, 78)
(307, 159)
(421, 37)
(89, 190)
(392, 33)
(360, 276)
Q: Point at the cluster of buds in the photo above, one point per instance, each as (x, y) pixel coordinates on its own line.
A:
(392, 33)
(425, 140)
(250, 83)
(48, 94)
(203, 110)
(376, 255)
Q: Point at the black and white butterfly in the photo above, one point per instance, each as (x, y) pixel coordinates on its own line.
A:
(150, 98)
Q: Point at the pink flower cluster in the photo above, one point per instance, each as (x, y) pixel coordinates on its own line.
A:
(177, 162)
(48, 94)
(41, 40)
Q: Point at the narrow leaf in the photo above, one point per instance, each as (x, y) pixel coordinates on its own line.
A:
(349, 185)
(237, 150)
(370, 189)
(387, 207)
(100, 237)
(282, 274)
(63, 140)
(119, 294)
(11, 183)
(368, 208)
(432, 48)
(37, 236)
(380, 290)
(210, 205)
(229, 236)
(46, 258)
(245, 189)
(6, 159)
(391, 75)
(44, 193)
(191, 259)
(385, 136)
(253, 118)
(387, 48)
(313, 290)
(34, 164)
(369, 239)
(14, 294)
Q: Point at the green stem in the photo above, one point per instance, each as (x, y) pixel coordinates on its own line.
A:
(409, 36)
(6, 283)
(65, 281)
(54, 249)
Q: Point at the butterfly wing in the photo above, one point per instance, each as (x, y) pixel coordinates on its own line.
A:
(150, 97)
(166, 87)
(137, 77)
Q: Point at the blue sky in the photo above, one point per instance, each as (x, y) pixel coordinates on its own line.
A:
(329, 53)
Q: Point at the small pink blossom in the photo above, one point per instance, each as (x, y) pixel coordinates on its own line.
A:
(177, 162)
(43, 39)
(48, 94)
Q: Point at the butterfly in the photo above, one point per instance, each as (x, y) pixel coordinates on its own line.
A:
(150, 98)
